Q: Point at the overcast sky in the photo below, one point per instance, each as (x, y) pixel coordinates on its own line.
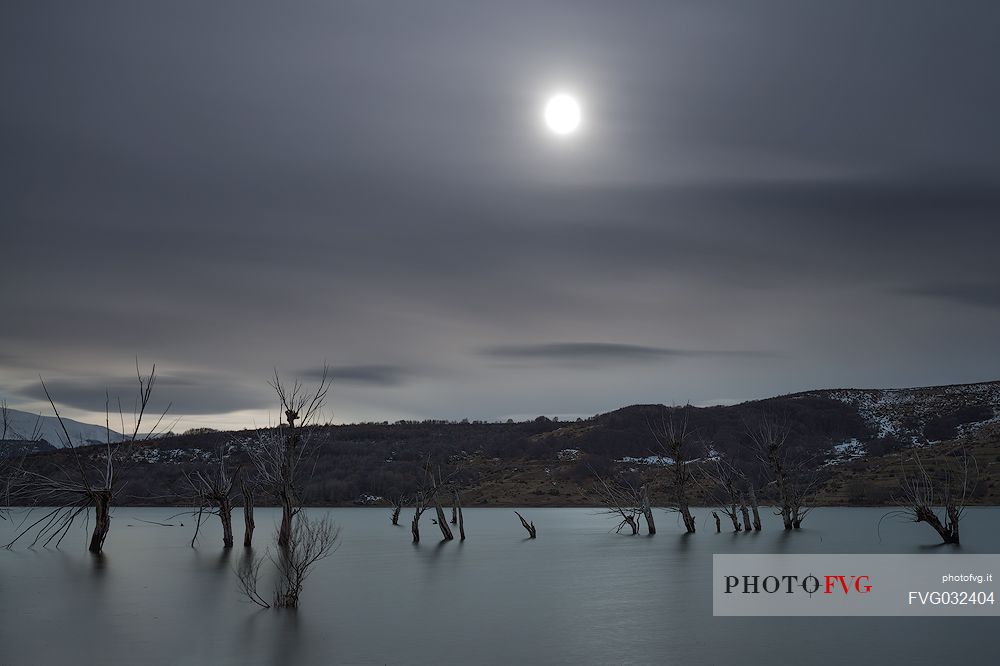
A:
(763, 197)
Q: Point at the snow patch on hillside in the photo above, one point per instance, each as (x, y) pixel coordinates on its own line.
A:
(852, 449)
(903, 413)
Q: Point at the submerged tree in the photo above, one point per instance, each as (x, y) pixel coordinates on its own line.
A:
(433, 483)
(673, 436)
(456, 514)
(793, 475)
(212, 491)
(279, 457)
(721, 480)
(751, 494)
(92, 481)
(310, 541)
(530, 527)
(730, 489)
(946, 487)
(247, 493)
(626, 496)
(398, 502)
(279, 454)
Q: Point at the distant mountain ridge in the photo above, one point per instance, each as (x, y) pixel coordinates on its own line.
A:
(28, 426)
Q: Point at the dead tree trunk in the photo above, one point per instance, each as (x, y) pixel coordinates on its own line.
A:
(954, 514)
(226, 516)
(397, 507)
(733, 516)
(446, 532)
(718, 523)
(248, 523)
(454, 512)
(754, 507)
(647, 511)
(689, 523)
(415, 523)
(102, 520)
(746, 514)
(285, 531)
(632, 523)
(532, 532)
(786, 506)
(948, 531)
(461, 519)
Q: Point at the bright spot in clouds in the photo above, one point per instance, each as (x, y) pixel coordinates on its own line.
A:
(562, 114)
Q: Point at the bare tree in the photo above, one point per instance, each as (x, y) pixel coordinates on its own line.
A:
(433, 483)
(673, 436)
(248, 578)
(310, 541)
(212, 491)
(720, 480)
(279, 454)
(532, 532)
(794, 477)
(93, 480)
(946, 487)
(625, 495)
(745, 512)
(398, 502)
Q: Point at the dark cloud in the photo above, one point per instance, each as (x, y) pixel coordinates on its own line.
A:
(340, 181)
(192, 394)
(597, 353)
(983, 294)
(369, 375)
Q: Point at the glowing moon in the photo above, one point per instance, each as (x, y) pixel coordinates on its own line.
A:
(562, 114)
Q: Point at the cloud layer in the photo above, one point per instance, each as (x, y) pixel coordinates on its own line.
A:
(817, 184)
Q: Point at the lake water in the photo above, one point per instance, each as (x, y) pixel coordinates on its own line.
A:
(579, 594)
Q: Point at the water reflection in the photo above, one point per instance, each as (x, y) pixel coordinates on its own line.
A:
(99, 563)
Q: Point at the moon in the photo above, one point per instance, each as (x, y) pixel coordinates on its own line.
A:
(562, 114)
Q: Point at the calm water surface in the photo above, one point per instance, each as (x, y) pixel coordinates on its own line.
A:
(577, 594)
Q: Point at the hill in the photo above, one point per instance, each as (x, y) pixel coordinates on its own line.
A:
(854, 437)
